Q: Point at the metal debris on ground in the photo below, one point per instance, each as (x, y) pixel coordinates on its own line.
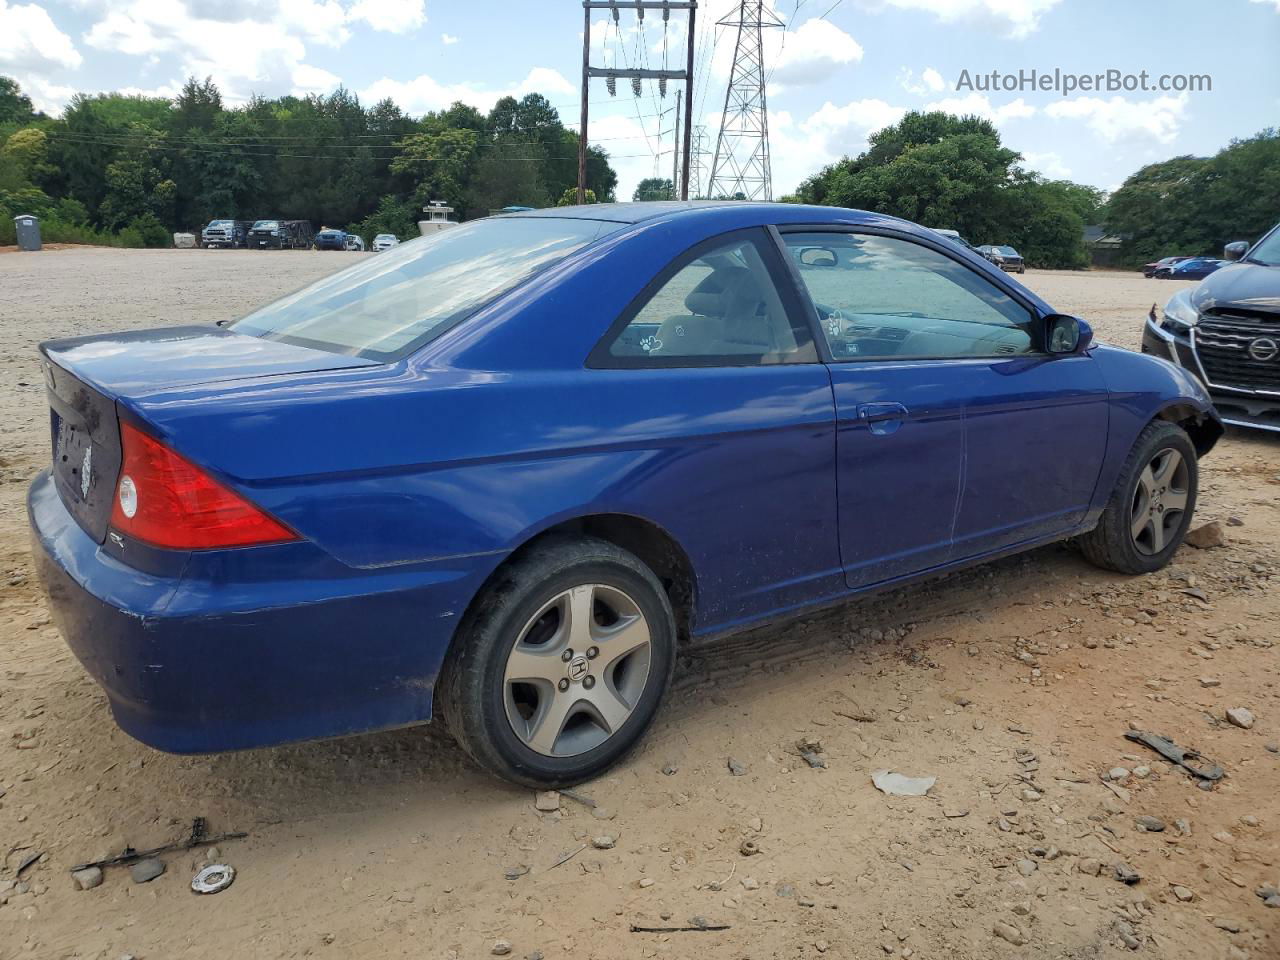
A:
(27, 861)
(1182, 756)
(581, 798)
(703, 927)
(897, 785)
(199, 837)
(213, 878)
(565, 858)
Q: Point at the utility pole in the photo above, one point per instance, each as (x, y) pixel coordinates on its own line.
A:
(741, 161)
(588, 71)
(582, 119)
(675, 157)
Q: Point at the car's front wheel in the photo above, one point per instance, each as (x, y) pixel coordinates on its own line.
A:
(562, 665)
(1152, 504)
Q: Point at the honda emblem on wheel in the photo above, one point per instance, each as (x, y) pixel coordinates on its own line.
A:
(1263, 349)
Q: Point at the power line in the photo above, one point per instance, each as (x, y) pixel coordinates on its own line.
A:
(184, 148)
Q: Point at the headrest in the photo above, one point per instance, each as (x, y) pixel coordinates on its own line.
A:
(711, 297)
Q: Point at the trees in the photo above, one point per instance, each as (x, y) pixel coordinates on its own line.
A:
(15, 106)
(1196, 205)
(946, 171)
(654, 188)
(130, 163)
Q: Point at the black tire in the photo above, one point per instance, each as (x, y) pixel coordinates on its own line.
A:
(1112, 544)
(474, 694)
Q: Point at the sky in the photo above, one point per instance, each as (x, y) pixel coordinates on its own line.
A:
(837, 69)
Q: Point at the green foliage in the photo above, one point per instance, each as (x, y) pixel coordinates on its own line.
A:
(15, 106)
(1196, 205)
(947, 171)
(654, 188)
(125, 163)
(392, 216)
(570, 197)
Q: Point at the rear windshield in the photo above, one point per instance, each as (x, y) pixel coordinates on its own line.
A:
(389, 305)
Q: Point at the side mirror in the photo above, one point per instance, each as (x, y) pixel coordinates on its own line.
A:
(1066, 334)
(1234, 251)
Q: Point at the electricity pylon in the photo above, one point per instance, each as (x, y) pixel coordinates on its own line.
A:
(697, 161)
(741, 163)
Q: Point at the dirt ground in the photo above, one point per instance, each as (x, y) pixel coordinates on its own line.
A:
(1013, 684)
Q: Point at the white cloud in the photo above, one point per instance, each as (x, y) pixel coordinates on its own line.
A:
(1048, 164)
(166, 91)
(813, 52)
(448, 39)
(624, 137)
(29, 40)
(45, 95)
(424, 92)
(309, 79)
(1275, 3)
(1014, 18)
(390, 16)
(930, 82)
(834, 131)
(979, 105)
(1117, 119)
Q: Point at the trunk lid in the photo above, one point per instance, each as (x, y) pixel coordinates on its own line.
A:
(85, 375)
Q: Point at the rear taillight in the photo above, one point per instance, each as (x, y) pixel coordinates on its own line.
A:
(167, 501)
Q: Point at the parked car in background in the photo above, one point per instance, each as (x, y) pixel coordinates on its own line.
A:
(353, 241)
(954, 237)
(1004, 257)
(300, 235)
(988, 253)
(1193, 268)
(225, 233)
(384, 241)
(266, 234)
(629, 425)
(281, 235)
(328, 238)
(1226, 331)
(1150, 269)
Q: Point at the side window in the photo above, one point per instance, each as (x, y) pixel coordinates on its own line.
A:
(720, 306)
(879, 298)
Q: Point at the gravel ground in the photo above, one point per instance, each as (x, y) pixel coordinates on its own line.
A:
(1012, 683)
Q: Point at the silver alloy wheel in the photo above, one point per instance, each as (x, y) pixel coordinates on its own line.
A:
(577, 670)
(1159, 501)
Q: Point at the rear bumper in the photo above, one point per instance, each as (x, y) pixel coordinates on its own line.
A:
(1241, 408)
(198, 664)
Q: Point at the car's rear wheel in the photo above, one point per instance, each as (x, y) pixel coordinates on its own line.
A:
(562, 664)
(1151, 507)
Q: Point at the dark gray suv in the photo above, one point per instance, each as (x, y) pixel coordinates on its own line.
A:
(1227, 332)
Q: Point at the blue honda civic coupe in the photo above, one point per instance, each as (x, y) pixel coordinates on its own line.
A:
(502, 472)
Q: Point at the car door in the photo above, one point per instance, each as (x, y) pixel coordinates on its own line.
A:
(950, 419)
(732, 404)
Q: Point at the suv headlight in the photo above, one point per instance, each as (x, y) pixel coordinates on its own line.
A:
(1179, 315)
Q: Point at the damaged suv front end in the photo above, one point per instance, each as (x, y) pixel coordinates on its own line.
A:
(1226, 331)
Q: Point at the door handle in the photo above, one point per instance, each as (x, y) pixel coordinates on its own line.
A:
(882, 418)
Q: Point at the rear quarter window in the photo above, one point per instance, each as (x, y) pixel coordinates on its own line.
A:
(386, 307)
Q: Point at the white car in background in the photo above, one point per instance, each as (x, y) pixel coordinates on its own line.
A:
(384, 241)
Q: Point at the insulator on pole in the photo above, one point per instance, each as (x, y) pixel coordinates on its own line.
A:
(662, 87)
(611, 82)
(635, 86)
